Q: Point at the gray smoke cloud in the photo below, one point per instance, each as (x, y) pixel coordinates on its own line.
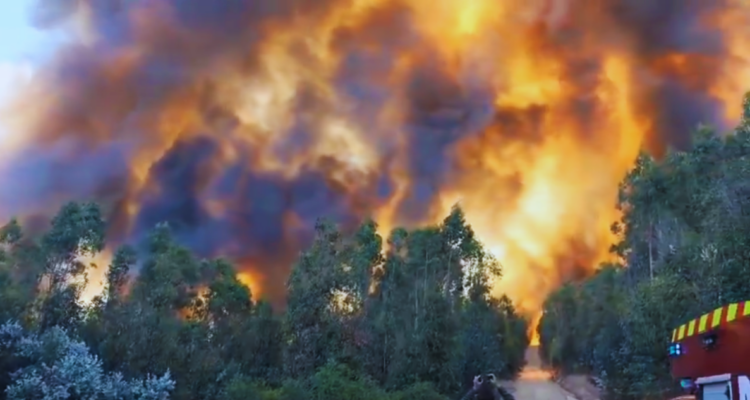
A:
(107, 103)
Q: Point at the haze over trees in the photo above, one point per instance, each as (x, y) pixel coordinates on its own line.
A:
(685, 235)
(408, 318)
(412, 322)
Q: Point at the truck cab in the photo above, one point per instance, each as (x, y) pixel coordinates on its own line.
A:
(710, 355)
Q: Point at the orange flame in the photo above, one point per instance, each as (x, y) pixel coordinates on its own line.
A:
(253, 281)
(527, 113)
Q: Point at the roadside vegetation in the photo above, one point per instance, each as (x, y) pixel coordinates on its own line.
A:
(685, 239)
(415, 323)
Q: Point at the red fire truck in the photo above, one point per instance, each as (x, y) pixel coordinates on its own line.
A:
(710, 355)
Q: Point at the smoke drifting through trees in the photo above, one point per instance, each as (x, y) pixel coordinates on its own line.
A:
(241, 122)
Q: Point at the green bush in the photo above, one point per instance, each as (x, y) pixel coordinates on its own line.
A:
(418, 391)
(242, 388)
(290, 390)
(337, 382)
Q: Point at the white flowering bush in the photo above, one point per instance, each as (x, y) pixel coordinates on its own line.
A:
(61, 368)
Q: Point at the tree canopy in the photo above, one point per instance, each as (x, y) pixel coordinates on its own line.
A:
(684, 239)
(409, 317)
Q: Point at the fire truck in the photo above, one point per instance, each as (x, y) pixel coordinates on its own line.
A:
(710, 355)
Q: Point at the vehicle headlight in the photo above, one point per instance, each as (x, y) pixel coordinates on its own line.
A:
(686, 383)
(676, 350)
(709, 341)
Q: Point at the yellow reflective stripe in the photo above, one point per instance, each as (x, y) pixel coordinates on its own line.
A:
(702, 323)
(732, 312)
(691, 328)
(681, 333)
(717, 318)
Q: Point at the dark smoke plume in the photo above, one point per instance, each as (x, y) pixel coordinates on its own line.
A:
(144, 112)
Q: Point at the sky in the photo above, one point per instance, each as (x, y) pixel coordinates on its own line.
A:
(19, 41)
(22, 47)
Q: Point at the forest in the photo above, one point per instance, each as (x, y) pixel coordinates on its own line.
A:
(685, 239)
(408, 318)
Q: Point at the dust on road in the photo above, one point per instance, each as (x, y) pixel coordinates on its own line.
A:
(534, 382)
(540, 389)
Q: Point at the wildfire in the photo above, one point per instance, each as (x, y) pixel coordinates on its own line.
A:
(252, 281)
(242, 123)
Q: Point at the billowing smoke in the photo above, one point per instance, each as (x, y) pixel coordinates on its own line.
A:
(242, 121)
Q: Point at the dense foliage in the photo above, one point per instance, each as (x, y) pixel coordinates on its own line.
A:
(412, 320)
(685, 238)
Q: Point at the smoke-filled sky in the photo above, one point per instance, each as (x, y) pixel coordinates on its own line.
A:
(16, 36)
(23, 48)
(240, 122)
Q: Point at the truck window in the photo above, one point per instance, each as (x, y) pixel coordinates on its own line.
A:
(716, 391)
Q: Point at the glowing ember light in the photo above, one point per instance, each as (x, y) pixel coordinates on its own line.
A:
(528, 113)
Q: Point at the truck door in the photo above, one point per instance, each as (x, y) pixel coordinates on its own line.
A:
(716, 391)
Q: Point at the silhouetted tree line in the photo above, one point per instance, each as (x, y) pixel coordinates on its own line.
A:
(413, 320)
(685, 239)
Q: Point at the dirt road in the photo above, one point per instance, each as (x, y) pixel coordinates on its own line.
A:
(535, 384)
(535, 388)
